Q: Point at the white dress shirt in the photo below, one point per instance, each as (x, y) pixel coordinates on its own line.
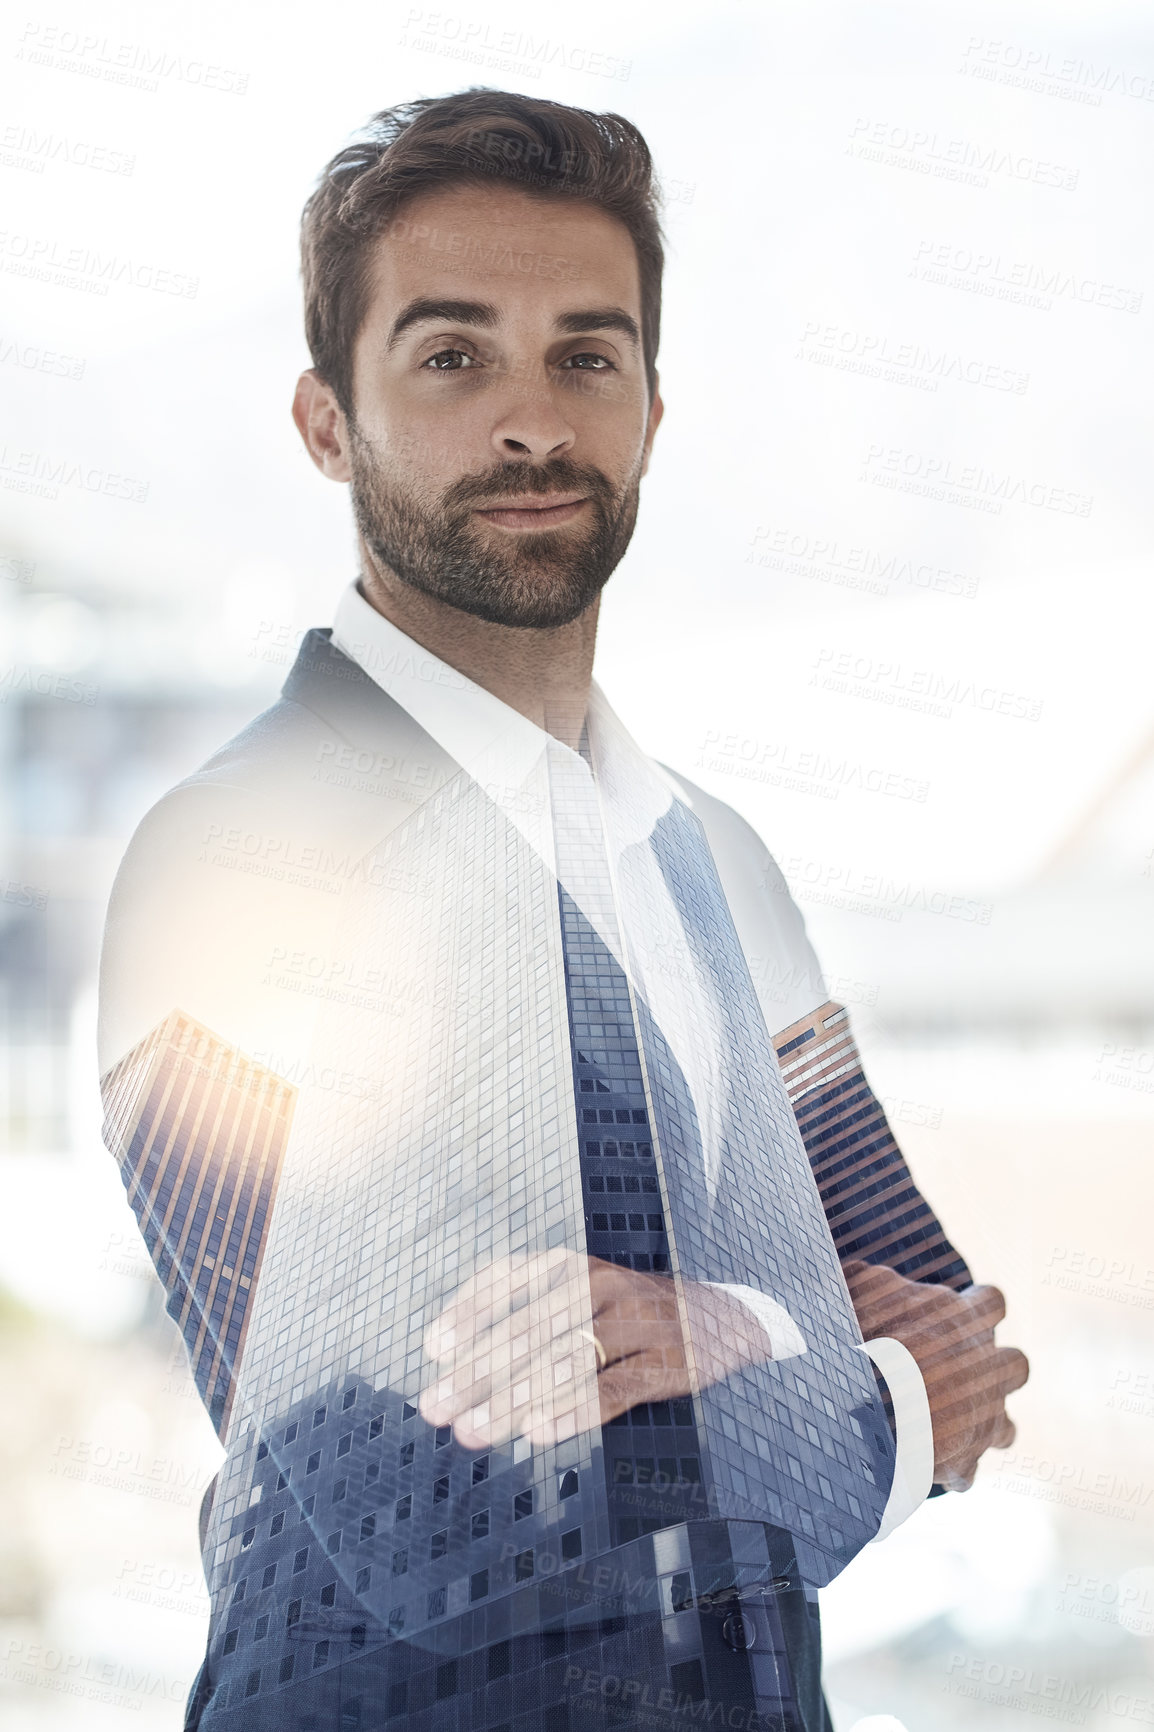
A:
(504, 752)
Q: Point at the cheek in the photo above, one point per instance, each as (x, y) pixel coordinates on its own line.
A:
(440, 443)
(617, 432)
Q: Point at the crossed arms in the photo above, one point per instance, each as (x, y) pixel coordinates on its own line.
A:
(599, 1339)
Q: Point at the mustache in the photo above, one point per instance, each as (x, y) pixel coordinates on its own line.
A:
(514, 479)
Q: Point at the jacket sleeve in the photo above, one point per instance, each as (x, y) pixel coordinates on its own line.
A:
(874, 1208)
(875, 1211)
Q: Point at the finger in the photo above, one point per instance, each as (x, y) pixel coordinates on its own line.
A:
(474, 1307)
(973, 1384)
(493, 1422)
(536, 1339)
(542, 1296)
(988, 1303)
(1004, 1433)
(545, 1353)
(497, 1361)
(638, 1379)
(623, 1337)
(971, 1389)
(976, 1414)
(625, 1297)
(497, 1292)
(549, 1409)
(446, 1400)
(871, 1283)
(571, 1406)
(545, 1397)
(1015, 1367)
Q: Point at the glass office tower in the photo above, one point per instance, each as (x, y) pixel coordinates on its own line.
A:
(200, 1132)
(364, 1568)
(873, 1207)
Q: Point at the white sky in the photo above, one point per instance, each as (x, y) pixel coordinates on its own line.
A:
(779, 227)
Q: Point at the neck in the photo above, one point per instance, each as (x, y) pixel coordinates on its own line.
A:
(543, 674)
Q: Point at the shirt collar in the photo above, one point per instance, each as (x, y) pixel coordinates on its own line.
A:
(496, 745)
(476, 728)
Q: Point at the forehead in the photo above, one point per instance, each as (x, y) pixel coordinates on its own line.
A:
(525, 253)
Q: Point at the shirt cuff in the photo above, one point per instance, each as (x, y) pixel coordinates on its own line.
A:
(914, 1461)
(785, 1338)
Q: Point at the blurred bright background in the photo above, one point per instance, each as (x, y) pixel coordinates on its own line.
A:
(889, 595)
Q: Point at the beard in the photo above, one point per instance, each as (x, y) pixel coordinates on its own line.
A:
(537, 580)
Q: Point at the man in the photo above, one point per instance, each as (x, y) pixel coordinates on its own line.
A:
(518, 1275)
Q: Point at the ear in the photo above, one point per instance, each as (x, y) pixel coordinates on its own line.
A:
(322, 425)
(656, 411)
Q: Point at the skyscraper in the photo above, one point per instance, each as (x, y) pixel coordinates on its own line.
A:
(873, 1207)
(362, 1563)
(200, 1132)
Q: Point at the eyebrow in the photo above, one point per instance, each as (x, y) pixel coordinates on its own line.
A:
(601, 319)
(420, 311)
(486, 315)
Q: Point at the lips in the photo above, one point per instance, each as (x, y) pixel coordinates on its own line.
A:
(533, 511)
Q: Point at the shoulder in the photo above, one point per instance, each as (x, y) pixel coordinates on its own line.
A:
(252, 858)
(730, 835)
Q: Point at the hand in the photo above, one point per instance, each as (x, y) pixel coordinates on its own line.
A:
(545, 1346)
(951, 1335)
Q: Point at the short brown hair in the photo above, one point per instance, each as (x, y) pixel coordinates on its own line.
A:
(476, 136)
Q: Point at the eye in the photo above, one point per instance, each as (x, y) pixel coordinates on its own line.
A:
(578, 362)
(448, 361)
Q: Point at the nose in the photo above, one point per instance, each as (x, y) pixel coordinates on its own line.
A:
(531, 425)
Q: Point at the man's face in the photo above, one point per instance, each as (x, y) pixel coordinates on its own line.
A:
(501, 417)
